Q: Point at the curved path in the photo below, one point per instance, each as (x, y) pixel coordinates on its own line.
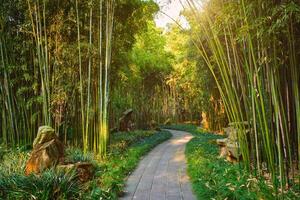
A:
(161, 175)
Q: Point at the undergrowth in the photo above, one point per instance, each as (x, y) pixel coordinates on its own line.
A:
(216, 179)
(124, 154)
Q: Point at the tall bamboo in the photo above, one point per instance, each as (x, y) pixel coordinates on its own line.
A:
(80, 74)
(247, 65)
(104, 137)
(100, 89)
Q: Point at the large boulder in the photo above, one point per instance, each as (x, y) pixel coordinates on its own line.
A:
(229, 147)
(47, 151)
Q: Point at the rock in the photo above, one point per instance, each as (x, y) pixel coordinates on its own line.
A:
(223, 149)
(125, 122)
(45, 134)
(231, 158)
(232, 135)
(222, 142)
(84, 170)
(229, 147)
(153, 125)
(223, 152)
(47, 151)
(233, 149)
(167, 122)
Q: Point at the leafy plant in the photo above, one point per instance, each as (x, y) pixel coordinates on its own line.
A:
(50, 185)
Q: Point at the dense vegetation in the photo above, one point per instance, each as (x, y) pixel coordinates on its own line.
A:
(250, 48)
(214, 178)
(107, 183)
(78, 65)
(57, 69)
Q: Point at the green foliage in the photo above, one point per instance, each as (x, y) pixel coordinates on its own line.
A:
(214, 178)
(109, 176)
(40, 60)
(77, 155)
(13, 161)
(50, 185)
(249, 47)
(121, 141)
(119, 164)
(239, 60)
(143, 81)
(183, 127)
(150, 58)
(193, 87)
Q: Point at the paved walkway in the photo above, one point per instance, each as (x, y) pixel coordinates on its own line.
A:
(161, 175)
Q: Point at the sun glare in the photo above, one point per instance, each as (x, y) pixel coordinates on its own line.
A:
(170, 11)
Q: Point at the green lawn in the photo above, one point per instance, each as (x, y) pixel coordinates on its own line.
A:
(214, 178)
(125, 152)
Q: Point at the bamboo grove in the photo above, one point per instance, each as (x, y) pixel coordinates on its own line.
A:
(19, 118)
(58, 69)
(77, 65)
(96, 102)
(251, 49)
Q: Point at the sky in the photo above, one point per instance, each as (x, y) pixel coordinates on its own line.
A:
(172, 8)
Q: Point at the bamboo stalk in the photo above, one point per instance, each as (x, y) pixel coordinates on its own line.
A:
(80, 74)
(100, 90)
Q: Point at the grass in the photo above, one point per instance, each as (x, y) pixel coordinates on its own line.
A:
(50, 185)
(119, 164)
(124, 154)
(214, 178)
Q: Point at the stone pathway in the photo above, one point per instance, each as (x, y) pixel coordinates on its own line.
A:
(161, 175)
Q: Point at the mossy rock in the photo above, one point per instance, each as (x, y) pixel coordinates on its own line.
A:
(47, 151)
(45, 134)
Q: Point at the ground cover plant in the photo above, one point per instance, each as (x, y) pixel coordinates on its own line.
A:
(107, 183)
(214, 178)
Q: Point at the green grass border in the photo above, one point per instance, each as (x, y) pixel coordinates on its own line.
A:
(216, 179)
(121, 164)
